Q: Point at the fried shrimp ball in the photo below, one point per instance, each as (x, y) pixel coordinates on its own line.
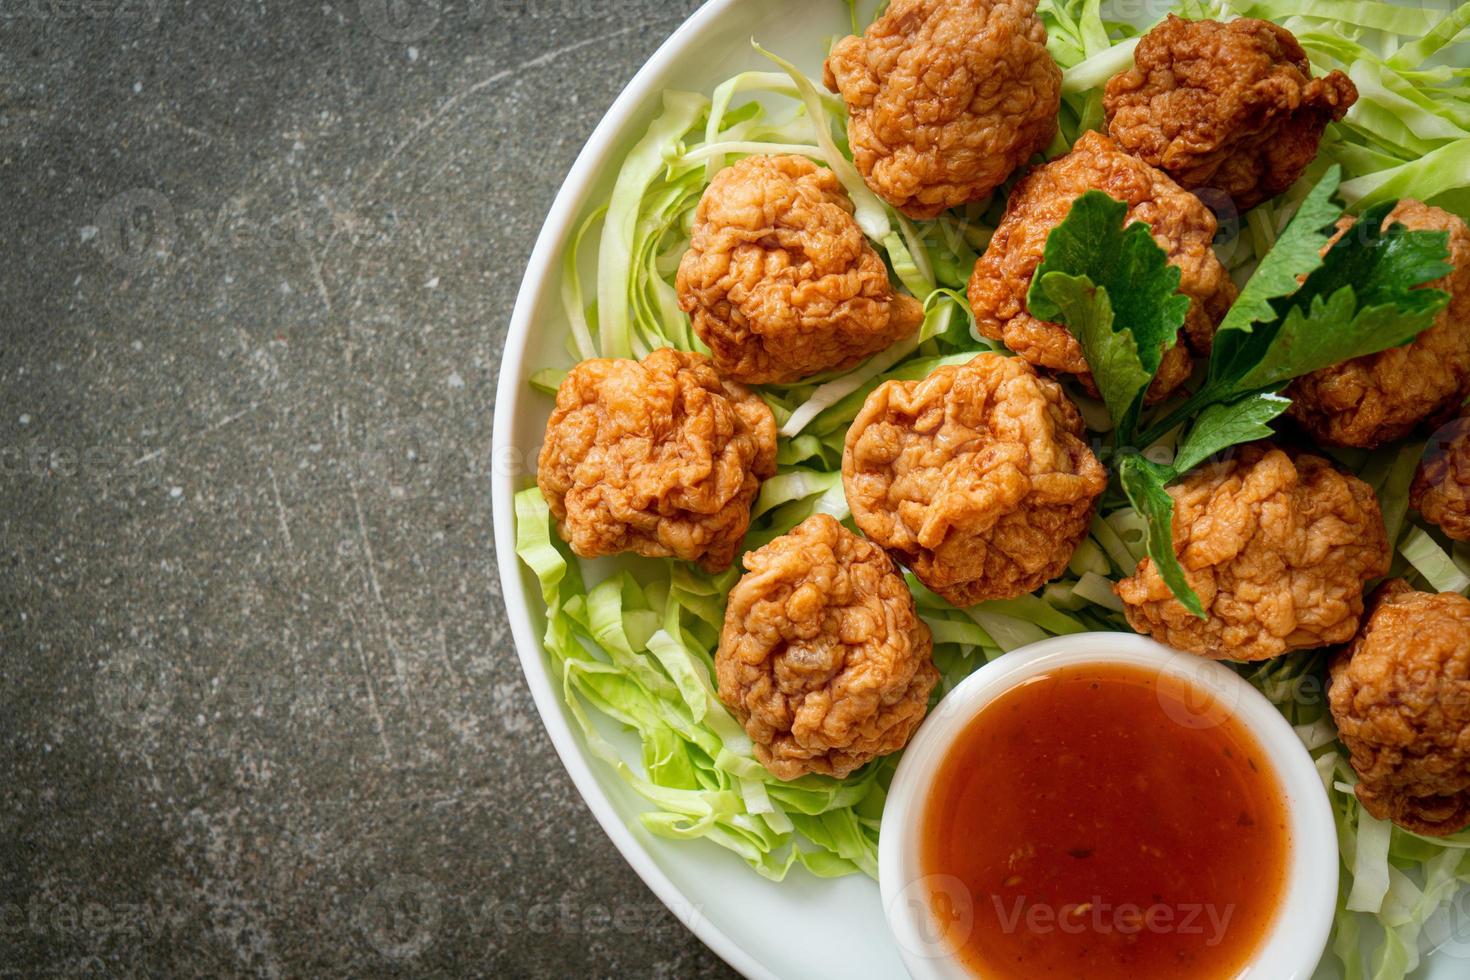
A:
(658, 457)
(1401, 698)
(822, 657)
(1383, 397)
(1441, 488)
(975, 477)
(779, 280)
(945, 98)
(1228, 106)
(1182, 226)
(1278, 550)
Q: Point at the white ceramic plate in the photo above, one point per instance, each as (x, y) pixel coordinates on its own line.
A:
(804, 927)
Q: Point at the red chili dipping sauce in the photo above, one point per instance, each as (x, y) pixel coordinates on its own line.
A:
(1105, 822)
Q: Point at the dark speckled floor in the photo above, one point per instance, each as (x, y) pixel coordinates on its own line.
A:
(259, 710)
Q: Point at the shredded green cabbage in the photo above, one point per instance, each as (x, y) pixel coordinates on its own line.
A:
(1433, 562)
(633, 648)
(648, 669)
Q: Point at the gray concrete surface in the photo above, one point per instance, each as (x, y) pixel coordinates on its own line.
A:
(260, 714)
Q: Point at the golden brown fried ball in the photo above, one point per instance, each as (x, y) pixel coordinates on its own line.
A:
(779, 280)
(1441, 488)
(1278, 550)
(1228, 106)
(945, 98)
(657, 456)
(1401, 698)
(1181, 225)
(975, 477)
(823, 658)
(1383, 397)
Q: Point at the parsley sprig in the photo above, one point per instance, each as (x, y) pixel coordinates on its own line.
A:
(1113, 288)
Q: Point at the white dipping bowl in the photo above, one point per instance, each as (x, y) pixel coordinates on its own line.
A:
(1294, 942)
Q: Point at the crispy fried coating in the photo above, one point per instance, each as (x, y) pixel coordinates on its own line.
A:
(945, 98)
(1181, 225)
(1383, 397)
(1401, 698)
(1278, 550)
(1227, 106)
(823, 657)
(975, 477)
(1441, 488)
(779, 280)
(658, 457)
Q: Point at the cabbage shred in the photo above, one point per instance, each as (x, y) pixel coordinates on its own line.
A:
(633, 649)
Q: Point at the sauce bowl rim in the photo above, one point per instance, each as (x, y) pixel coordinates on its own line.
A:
(1297, 936)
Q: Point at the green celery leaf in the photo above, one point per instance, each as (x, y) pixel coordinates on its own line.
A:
(1142, 286)
(1382, 264)
(1114, 289)
(1362, 300)
(1114, 358)
(1221, 426)
(1144, 482)
(1296, 254)
(1339, 329)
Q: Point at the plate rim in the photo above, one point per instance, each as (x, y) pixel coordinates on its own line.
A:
(544, 260)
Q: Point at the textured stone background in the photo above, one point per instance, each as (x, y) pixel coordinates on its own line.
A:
(260, 714)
